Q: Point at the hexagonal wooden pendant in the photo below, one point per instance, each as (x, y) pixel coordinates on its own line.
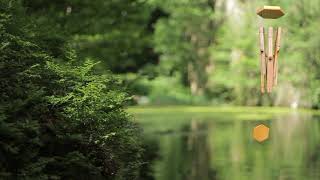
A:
(270, 12)
(261, 133)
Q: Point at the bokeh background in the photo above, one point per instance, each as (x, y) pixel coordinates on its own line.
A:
(194, 52)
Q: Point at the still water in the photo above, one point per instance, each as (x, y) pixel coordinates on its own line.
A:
(216, 143)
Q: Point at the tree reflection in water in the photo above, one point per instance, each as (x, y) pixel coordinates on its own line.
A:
(210, 148)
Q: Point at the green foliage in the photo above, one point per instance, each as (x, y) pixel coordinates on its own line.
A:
(303, 31)
(165, 90)
(209, 48)
(118, 33)
(58, 120)
(185, 38)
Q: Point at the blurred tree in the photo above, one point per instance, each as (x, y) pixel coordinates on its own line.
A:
(237, 51)
(303, 50)
(185, 37)
(116, 32)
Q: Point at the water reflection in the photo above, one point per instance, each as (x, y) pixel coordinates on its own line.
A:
(195, 148)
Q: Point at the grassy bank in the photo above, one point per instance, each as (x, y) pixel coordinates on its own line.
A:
(224, 112)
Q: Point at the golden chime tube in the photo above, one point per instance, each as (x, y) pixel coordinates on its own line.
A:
(276, 54)
(270, 61)
(262, 59)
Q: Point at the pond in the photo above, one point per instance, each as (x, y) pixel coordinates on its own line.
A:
(199, 143)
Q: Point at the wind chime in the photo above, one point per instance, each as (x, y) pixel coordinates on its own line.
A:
(269, 57)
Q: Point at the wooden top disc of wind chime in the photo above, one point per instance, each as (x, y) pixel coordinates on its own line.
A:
(270, 12)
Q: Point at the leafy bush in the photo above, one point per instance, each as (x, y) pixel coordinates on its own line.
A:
(58, 120)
